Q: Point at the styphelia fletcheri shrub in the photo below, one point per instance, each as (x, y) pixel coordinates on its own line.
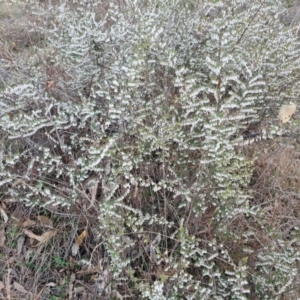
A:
(145, 103)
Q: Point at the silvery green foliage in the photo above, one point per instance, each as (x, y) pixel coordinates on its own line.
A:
(277, 270)
(150, 97)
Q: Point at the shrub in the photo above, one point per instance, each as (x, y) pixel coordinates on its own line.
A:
(139, 108)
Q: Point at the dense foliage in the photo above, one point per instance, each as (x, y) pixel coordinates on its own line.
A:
(140, 107)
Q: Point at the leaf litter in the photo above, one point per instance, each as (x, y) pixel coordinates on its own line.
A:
(41, 238)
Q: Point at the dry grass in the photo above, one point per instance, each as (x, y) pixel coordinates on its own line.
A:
(17, 40)
(16, 35)
(9, 11)
(48, 266)
(276, 188)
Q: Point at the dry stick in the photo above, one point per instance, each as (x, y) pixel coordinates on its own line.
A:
(7, 283)
(39, 294)
(71, 243)
(295, 17)
(245, 30)
(71, 285)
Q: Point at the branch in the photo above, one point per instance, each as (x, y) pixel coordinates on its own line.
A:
(245, 30)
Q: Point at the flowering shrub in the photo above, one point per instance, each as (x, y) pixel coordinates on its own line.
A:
(139, 108)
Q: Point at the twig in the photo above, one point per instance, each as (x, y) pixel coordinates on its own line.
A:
(245, 30)
(39, 294)
(7, 283)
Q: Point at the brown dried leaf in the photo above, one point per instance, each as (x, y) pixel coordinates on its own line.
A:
(286, 111)
(28, 223)
(41, 238)
(45, 221)
(94, 277)
(50, 84)
(32, 235)
(62, 281)
(81, 237)
(19, 288)
(2, 237)
(47, 236)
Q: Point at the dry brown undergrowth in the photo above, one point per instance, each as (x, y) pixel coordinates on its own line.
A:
(30, 268)
(276, 189)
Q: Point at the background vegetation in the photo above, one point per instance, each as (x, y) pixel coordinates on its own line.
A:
(128, 166)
